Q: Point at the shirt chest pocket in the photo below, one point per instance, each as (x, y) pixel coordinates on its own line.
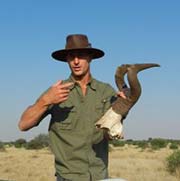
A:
(102, 107)
(63, 116)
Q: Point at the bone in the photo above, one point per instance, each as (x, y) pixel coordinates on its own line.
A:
(110, 121)
(105, 122)
(115, 132)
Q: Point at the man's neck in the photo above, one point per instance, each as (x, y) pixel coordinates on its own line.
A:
(83, 81)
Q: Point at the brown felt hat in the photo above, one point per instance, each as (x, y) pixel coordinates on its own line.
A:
(77, 43)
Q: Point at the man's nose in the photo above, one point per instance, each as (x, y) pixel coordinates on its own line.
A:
(76, 60)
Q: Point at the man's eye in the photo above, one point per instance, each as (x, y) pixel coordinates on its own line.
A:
(80, 56)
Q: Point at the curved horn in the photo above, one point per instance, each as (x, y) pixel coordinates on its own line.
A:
(122, 106)
(119, 76)
(135, 87)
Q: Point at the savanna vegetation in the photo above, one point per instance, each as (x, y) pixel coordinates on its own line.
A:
(134, 160)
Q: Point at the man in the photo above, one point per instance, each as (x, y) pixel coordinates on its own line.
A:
(75, 105)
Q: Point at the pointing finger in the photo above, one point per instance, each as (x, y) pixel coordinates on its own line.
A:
(57, 83)
(67, 85)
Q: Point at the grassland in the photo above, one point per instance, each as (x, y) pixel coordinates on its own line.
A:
(128, 162)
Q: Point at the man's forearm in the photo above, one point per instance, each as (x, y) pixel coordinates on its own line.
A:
(32, 115)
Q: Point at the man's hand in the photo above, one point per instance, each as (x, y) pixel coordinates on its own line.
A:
(121, 94)
(57, 93)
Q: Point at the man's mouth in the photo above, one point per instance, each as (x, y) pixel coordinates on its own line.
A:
(76, 68)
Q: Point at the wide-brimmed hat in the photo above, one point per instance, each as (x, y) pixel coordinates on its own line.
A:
(77, 43)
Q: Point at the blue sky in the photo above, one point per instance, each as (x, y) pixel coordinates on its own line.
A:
(129, 31)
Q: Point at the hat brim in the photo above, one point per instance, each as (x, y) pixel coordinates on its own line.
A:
(61, 55)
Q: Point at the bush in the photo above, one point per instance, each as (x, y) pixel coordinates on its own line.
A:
(173, 163)
(38, 142)
(20, 143)
(129, 142)
(173, 146)
(158, 143)
(2, 148)
(33, 144)
(117, 143)
(142, 144)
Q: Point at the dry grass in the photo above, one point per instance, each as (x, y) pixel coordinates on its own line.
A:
(26, 165)
(135, 164)
(127, 162)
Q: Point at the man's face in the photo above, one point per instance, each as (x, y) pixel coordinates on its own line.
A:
(79, 63)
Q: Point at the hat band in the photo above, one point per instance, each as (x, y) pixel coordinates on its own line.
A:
(78, 47)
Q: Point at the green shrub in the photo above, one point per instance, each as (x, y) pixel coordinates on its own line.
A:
(33, 144)
(2, 147)
(117, 143)
(173, 146)
(9, 144)
(20, 143)
(139, 143)
(38, 142)
(142, 144)
(158, 143)
(173, 162)
(129, 142)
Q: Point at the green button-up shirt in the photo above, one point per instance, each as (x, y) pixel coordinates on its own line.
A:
(80, 149)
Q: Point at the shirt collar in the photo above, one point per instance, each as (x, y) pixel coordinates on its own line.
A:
(92, 83)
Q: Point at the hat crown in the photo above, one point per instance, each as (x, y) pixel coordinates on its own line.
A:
(77, 41)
